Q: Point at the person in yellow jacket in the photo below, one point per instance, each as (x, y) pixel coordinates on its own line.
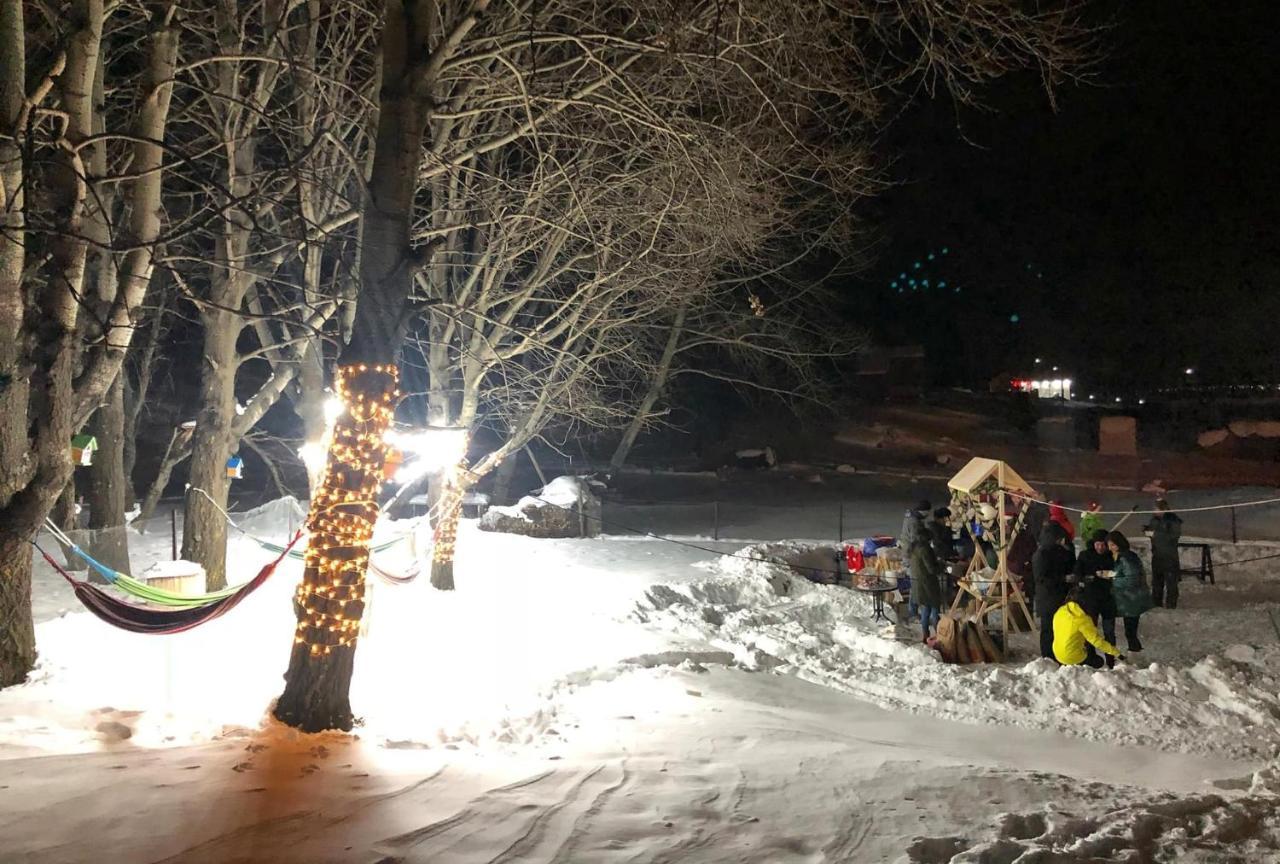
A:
(1075, 636)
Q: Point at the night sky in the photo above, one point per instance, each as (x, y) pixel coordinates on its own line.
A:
(1133, 233)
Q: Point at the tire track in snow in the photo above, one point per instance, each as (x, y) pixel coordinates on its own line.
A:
(525, 820)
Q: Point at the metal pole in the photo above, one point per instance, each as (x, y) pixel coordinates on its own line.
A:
(1234, 539)
(173, 531)
(840, 537)
(715, 531)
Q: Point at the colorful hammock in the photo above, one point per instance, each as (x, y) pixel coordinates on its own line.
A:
(143, 619)
(136, 587)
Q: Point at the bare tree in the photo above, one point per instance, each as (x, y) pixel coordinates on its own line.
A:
(475, 88)
(55, 368)
(278, 119)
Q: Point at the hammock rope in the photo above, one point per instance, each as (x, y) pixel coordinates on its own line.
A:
(159, 622)
(296, 554)
(1262, 502)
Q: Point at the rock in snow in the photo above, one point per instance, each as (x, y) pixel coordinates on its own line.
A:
(565, 507)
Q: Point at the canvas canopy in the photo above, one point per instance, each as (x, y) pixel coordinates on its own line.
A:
(979, 470)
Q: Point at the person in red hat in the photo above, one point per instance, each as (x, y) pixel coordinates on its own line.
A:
(1058, 516)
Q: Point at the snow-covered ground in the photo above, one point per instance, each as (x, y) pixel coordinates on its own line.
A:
(622, 699)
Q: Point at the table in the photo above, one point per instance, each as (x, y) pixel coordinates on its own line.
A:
(1206, 562)
(877, 593)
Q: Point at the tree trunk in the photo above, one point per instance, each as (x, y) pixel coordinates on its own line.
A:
(656, 386)
(310, 398)
(330, 600)
(179, 449)
(204, 534)
(446, 536)
(503, 477)
(109, 491)
(17, 631)
(63, 514)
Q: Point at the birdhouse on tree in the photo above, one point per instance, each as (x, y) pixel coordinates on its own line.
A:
(82, 448)
(235, 468)
(395, 458)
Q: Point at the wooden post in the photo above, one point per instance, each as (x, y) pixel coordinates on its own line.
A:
(1234, 538)
(1002, 573)
(582, 513)
(715, 530)
(840, 535)
(173, 531)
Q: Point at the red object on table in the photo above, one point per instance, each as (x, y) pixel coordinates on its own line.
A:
(854, 558)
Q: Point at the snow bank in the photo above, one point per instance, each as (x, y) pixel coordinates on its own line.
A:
(769, 617)
(1197, 828)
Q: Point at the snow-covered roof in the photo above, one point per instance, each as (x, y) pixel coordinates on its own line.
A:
(979, 470)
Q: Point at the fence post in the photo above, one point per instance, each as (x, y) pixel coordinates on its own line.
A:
(715, 530)
(1233, 526)
(173, 531)
(840, 537)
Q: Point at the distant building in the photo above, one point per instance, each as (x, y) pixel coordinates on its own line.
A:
(897, 372)
(1045, 388)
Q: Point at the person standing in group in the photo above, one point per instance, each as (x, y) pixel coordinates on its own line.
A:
(1075, 637)
(1058, 516)
(1165, 530)
(1096, 595)
(1091, 523)
(1050, 567)
(1129, 586)
(944, 548)
(926, 584)
(913, 533)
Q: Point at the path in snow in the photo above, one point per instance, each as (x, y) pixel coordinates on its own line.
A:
(660, 765)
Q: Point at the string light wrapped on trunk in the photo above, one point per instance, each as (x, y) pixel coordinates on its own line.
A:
(344, 509)
(449, 508)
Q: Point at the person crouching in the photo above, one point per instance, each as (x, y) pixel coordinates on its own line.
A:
(1075, 637)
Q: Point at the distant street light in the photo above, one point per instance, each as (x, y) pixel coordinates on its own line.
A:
(1191, 371)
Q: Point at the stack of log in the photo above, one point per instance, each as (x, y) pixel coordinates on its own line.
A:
(962, 640)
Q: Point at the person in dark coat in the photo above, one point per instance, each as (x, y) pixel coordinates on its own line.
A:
(1096, 596)
(926, 585)
(944, 549)
(1165, 529)
(1050, 567)
(914, 531)
(1129, 587)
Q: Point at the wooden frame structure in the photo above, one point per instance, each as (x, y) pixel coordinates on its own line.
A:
(991, 478)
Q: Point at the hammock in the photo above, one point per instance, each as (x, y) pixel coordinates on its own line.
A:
(301, 554)
(142, 619)
(295, 554)
(136, 587)
(394, 578)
